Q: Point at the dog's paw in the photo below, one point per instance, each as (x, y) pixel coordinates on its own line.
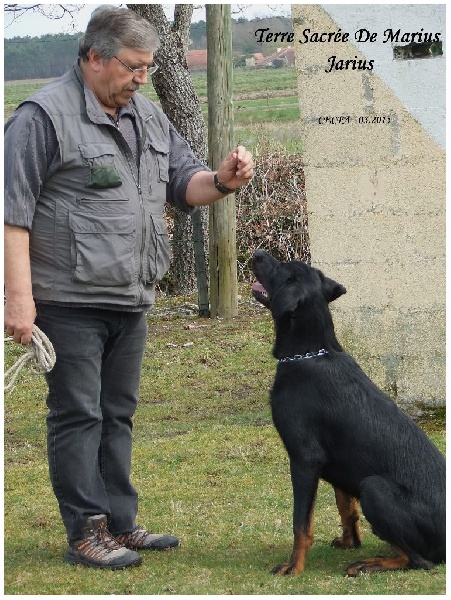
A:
(380, 563)
(345, 543)
(286, 569)
(357, 569)
(377, 565)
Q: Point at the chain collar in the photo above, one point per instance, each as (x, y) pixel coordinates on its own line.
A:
(321, 352)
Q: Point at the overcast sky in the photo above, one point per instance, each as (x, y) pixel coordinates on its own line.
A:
(34, 24)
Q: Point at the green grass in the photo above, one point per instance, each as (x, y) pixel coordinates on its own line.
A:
(269, 110)
(263, 112)
(249, 81)
(16, 92)
(209, 468)
(208, 463)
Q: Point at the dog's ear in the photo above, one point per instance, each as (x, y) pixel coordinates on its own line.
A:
(283, 304)
(331, 289)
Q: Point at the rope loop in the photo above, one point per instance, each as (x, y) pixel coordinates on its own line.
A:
(41, 355)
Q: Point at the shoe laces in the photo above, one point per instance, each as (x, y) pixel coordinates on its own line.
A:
(101, 542)
(105, 538)
(137, 536)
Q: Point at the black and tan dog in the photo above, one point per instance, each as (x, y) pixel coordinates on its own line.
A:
(338, 426)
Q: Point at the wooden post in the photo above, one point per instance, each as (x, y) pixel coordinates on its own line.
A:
(223, 259)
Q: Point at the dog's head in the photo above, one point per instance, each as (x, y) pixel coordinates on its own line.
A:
(285, 288)
(298, 297)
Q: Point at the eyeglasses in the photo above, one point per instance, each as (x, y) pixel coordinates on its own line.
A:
(150, 70)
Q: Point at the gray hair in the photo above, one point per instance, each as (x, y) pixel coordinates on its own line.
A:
(111, 29)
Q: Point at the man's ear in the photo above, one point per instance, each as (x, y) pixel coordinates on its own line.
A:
(95, 60)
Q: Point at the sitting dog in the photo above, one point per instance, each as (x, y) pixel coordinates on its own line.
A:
(337, 425)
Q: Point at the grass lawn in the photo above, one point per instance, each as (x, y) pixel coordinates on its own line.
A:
(208, 463)
(209, 468)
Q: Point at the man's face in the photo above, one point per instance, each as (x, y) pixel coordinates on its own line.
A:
(112, 82)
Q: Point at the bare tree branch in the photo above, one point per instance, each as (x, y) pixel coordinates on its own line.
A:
(20, 8)
(182, 20)
(154, 13)
(51, 11)
(182, 17)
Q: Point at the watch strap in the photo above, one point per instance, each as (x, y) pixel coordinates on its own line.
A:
(221, 188)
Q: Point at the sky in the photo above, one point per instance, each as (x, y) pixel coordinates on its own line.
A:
(34, 24)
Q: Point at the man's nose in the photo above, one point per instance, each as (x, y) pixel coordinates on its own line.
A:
(140, 78)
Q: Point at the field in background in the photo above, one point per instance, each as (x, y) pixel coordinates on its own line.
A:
(266, 108)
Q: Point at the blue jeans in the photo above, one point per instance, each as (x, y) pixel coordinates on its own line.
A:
(93, 394)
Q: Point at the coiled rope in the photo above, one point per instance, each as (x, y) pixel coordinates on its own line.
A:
(41, 354)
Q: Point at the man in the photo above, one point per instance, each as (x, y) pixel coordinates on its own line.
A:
(89, 165)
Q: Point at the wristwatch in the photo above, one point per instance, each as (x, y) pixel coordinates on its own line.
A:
(221, 188)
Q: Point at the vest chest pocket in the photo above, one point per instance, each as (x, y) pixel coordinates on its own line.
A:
(158, 155)
(163, 167)
(101, 172)
(103, 249)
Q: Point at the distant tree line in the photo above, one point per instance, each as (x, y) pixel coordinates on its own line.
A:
(52, 55)
(39, 57)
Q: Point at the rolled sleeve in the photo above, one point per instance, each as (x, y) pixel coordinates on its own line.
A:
(31, 156)
(183, 164)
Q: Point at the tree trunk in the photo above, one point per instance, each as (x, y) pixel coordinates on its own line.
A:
(180, 103)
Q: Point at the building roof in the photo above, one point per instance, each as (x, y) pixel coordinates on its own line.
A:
(287, 53)
(197, 59)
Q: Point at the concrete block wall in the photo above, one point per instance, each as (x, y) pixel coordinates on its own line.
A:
(376, 192)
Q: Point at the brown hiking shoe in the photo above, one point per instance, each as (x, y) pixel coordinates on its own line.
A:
(99, 548)
(140, 539)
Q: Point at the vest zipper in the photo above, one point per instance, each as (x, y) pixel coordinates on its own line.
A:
(142, 254)
(141, 141)
(137, 180)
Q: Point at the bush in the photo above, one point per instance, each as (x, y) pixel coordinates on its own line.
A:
(272, 212)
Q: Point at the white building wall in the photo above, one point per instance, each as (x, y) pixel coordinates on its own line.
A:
(376, 192)
(419, 84)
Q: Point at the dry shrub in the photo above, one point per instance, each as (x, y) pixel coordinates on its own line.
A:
(272, 212)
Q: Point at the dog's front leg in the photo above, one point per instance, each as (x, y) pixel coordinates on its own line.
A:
(348, 507)
(304, 478)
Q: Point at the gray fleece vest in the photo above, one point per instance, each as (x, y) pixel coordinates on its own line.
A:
(99, 235)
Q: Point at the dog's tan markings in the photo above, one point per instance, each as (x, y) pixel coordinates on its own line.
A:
(374, 565)
(348, 507)
(301, 545)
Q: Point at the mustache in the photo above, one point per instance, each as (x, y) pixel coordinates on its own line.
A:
(132, 88)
